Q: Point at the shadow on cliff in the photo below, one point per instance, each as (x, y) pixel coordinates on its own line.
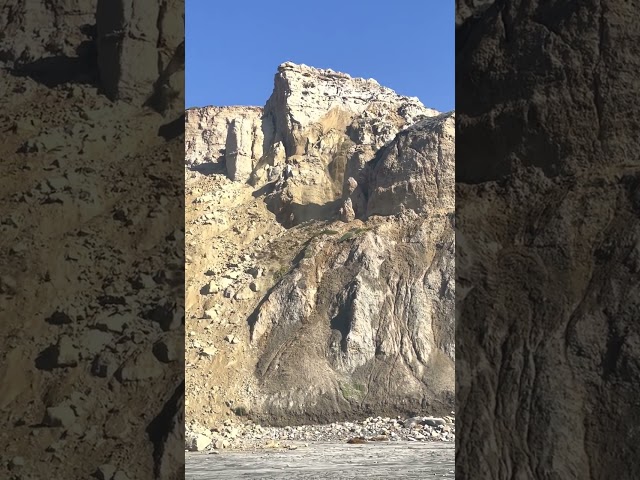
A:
(54, 71)
(210, 168)
(161, 427)
(59, 69)
(266, 189)
(173, 129)
(293, 214)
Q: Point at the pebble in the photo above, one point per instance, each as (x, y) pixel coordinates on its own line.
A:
(165, 352)
(434, 422)
(232, 339)
(16, 462)
(106, 472)
(141, 367)
(60, 416)
(112, 323)
(199, 443)
(213, 287)
(209, 351)
(67, 354)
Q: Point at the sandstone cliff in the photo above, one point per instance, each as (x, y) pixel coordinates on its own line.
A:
(91, 240)
(327, 293)
(548, 257)
(132, 49)
(209, 129)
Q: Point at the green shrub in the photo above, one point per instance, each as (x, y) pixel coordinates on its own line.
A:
(280, 273)
(354, 232)
(347, 236)
(240, 411)
(353, 391)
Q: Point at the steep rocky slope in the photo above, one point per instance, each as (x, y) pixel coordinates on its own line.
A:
(327, 293)
(548, 241)
(89, 266)
(91, 244)
(132, 49)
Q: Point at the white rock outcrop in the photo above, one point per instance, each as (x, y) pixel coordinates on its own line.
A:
(312, 113)
(243, 147)
(207, 131)
(304, 96)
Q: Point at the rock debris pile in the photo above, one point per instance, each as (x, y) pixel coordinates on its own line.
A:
(250, 436)
(91, 241)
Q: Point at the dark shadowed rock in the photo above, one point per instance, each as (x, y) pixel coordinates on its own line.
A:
(547, 212)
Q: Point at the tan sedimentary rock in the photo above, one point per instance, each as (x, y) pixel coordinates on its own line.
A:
(207, 130)
(341, 192)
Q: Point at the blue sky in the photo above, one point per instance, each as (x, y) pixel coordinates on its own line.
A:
(234, 47)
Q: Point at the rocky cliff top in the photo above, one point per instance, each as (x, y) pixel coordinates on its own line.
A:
(303, 98)
(304, 85)
(292, 70)
(220, 110)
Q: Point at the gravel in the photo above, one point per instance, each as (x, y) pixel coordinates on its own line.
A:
(250, 436)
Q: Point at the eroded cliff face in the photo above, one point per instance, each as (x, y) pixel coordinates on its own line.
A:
(133, 49)
(327, 293)
(547, 244)
(91, 254)
(416, 171)
(327, 124)
(208, 129)
(306, 102)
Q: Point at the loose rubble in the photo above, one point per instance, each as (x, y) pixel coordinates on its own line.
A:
(90, 243)
(250, 436)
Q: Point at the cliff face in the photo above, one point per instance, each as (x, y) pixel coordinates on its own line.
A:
(91, 247)
(547, 260)
(306, 99)
(372, 311)
(329, 292)
(326, 123)
(131, 48)
(416, 171)
(209, 129)
(26, 38)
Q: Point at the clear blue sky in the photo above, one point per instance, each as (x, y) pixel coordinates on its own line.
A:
(233, 47)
